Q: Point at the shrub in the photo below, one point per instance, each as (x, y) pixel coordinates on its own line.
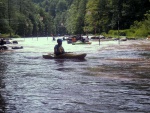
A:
(16, 36)
(113, 33)
(141, 33)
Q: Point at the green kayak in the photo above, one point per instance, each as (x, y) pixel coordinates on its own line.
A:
(65, 56)
(78, 43)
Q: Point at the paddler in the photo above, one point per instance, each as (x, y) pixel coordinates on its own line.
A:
(2, 47)
(58, 49)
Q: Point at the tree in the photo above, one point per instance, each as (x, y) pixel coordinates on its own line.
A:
(72, 18)
(23, 17)
(76, 14)
(92, 16)
(4, 24)
(81, 16)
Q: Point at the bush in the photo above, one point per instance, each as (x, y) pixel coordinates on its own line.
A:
(122, 33)
(142, 28)
(141, 33)
(130, 32)
(138, 33)
(16, 36)
(8, 36)
(113, 33)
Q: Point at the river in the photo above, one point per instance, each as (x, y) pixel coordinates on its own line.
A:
(113, 78)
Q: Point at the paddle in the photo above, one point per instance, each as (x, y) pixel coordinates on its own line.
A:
(53, 53)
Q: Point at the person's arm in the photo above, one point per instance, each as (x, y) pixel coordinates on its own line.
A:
(55, 50)
(63, 50)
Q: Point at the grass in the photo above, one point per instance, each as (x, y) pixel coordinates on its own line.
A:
(8, 36)
(129, 33)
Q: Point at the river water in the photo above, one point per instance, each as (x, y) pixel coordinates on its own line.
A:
(113, 78)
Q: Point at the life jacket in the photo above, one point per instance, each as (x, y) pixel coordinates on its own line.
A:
(73, 39)
(58, 50)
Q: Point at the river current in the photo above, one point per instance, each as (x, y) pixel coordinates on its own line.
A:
(113, 78)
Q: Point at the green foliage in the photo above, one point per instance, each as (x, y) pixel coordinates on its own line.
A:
(7, 35)
(142, 28)
(113, 33)
(4, 26)
(75, 20)
(61, 6)
(126, 32)
(45, 17)
(130, 33)
(92, 16)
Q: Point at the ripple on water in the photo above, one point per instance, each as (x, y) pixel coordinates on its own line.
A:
(112, 78)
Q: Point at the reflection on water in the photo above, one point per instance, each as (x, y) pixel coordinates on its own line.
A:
(112, 79)
(3, 67)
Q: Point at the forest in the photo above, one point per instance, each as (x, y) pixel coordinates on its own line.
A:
(26, 18)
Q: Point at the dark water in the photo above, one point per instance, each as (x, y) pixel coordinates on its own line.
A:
(112, 79)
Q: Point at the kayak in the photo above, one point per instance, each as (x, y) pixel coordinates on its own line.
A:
(3, 51)
(3, 47)
(65, 56)
(76, 43)
(17, 47)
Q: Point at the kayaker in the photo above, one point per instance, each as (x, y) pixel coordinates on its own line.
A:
(53, 38)
(86, 39)
(58, 49)
(2, 42)
(82, 39)
(2, 47)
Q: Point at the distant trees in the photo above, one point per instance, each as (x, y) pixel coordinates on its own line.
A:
(46, 17)
(142, 28)
(22, 17)
(92, 18)
(4, 24)
(75, 17)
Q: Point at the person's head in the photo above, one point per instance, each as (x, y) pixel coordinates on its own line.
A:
(59, 41)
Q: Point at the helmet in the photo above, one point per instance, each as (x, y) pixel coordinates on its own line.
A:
(59, 41)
